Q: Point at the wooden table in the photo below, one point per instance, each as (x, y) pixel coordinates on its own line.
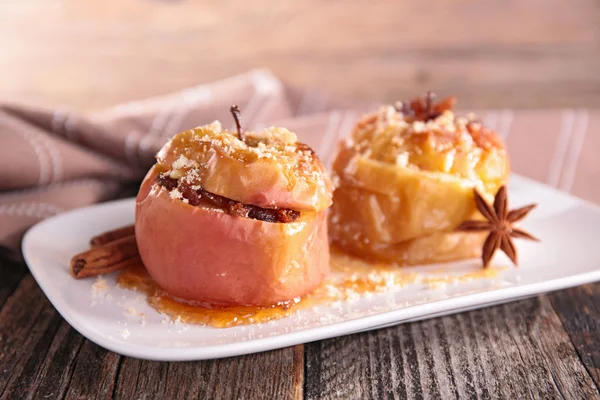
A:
(544, 347)
(538, 53)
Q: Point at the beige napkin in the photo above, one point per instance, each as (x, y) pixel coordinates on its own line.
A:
(55, 160)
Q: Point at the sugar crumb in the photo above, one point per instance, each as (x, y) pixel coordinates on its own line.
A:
(99, 290)
(131, 311)
(183, 162)
(437, 284)
(175, 194)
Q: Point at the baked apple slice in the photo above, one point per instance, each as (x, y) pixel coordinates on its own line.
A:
(235, 218)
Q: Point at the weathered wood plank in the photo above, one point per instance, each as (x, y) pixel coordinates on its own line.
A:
(184, 381)
(550, 359)
(41, 355)
(140, 379)
(579, 310)
(28, 323)
(11, 273)
(271, 375)
(56, 371)
(95, 373)
(518, 350)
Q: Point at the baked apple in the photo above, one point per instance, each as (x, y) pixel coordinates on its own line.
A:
(404, 181)
(235, 218)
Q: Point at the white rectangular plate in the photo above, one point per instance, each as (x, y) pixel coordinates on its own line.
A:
(112, 317)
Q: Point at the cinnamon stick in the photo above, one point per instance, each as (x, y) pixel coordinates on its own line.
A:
(113, 235)
(106, 258)
(86, 271)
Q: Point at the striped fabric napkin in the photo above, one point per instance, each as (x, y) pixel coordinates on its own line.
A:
(55, 160)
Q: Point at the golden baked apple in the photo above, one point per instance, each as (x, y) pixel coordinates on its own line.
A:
(404, 181)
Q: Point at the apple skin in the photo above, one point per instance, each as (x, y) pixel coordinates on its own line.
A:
(204, 255)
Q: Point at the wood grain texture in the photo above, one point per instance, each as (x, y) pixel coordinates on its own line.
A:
(94, 374)
(28, 323)
(518, 350)
(41, 356)
(272, 375)
(535, 53)
(11, 276)
(579, 311)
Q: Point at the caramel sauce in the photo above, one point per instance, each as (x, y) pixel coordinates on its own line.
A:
(136, 278)
(351, 278)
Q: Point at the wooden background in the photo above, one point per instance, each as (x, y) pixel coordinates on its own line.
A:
(521, 54)
(508, 53)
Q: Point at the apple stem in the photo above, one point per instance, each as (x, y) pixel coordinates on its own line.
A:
(429, 98)
(235, 111)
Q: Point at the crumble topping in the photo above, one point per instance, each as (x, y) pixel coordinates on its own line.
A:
(99, 291)
(426, 136)
(175, 194)
(240, 166)
(277, 144)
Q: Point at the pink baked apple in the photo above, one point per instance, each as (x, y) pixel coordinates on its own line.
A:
(231, 219)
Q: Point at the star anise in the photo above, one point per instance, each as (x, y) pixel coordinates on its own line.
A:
(499, 222)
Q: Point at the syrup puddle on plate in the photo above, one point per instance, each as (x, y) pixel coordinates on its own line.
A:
(351, 278)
